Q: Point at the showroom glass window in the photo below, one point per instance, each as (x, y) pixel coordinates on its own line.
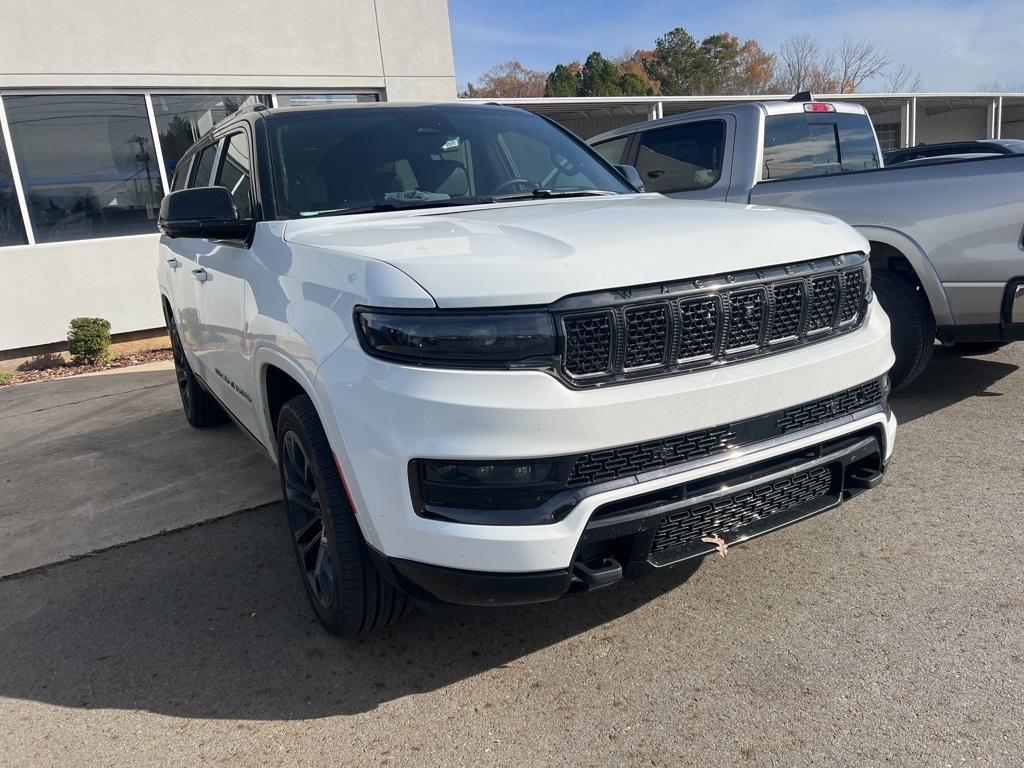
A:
(12, 230)
(87, 164)
(182, 120)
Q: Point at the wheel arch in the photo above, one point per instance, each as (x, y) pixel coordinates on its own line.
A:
(895, 251)
(280, 379)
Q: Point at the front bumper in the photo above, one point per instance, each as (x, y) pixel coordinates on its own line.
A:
(379, 416)
(668, 527)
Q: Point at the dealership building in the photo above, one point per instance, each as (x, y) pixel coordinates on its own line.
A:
(96, 109)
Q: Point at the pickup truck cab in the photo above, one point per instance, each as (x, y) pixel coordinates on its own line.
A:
(492, 373)
(945, 237)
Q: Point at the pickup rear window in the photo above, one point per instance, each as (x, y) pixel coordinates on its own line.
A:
(817, 144)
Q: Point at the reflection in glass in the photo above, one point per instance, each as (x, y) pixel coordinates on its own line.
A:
(319, 99)
(12, 230)
(87, 164)
(183, 120)
(235, 173)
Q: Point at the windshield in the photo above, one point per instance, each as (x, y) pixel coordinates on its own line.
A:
(817, 144)
(382, 158)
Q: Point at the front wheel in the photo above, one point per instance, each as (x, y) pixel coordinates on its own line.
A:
(201, 410)
(912, 324)
(347, 593)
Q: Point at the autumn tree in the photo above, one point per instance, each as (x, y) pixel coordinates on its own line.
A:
(674, 63)
(564, 80)
(755, 70)
(509, 80)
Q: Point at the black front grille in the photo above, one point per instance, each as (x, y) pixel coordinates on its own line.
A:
(748, 311)
(824, 299)
(638, 458)
(647, 338)
(731, 514)
(599, 466)
(853, 289)
(831, 407)
(699, 323)
(653, 330)
(788, 311)
(588, 343)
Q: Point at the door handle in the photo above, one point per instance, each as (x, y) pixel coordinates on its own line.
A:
(173, 263)
(201, 275)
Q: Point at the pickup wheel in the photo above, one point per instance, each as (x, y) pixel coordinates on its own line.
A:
(344, 587)
(913, 325)
(201, 410)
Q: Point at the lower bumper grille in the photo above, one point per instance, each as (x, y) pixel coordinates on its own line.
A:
(731, 514)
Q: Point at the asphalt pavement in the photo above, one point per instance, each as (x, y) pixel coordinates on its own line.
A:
(887, 632)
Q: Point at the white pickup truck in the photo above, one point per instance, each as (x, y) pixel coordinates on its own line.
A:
(946, 248)
(491, 373)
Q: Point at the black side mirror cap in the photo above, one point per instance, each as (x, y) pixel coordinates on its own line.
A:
(207, 212)
(632, 175)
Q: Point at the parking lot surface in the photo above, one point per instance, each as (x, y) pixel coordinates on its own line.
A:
(887, 632)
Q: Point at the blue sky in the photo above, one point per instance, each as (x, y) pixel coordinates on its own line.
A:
(956, 46)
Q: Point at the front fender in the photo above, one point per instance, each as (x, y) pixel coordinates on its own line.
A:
(918, 259)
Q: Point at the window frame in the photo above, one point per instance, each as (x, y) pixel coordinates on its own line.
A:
(724, 173)
(239, 129)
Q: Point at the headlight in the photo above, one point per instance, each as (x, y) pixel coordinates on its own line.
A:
(497, 339)
(869, 294)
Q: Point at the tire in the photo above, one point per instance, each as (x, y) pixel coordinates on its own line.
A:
(201, 409)
(347, 593)
(913, 325)
(978, 347)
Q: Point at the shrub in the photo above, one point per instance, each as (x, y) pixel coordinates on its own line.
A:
(6, 377)
(89, 340)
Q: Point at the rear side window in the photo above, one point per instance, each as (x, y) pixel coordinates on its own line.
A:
(204, 166)
(817, 144)
(235, 173)
(612, 150)
(682, 157)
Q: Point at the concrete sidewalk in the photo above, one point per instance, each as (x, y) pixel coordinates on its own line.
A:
(91, 462)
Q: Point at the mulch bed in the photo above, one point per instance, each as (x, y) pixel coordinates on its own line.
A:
(74, 369)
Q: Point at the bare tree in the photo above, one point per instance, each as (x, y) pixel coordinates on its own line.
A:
(509, 79)
(901, 78)
(798, 60)
(858, 61)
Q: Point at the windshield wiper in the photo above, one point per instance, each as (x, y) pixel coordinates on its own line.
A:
(543, 194)
(379, 207)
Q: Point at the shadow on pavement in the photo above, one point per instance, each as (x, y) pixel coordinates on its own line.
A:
(949, 378)
(211, 622)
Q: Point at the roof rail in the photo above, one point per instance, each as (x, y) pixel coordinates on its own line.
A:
(802, 96)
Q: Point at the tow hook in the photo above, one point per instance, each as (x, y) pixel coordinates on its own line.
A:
(605, 573)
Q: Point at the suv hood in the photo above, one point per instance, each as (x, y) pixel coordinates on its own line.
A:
(536, 252)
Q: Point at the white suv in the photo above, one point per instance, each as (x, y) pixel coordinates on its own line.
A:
(491, 372)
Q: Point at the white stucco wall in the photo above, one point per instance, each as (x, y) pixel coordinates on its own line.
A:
(401, 48)
(220, 44)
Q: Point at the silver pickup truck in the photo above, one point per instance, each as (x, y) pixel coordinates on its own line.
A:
(946, 237)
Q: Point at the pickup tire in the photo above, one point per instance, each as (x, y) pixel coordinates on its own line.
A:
(347, 592)
(913, 325)
(201, 409)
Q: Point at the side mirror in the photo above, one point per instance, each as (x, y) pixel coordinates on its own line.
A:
(632, 175)
(207, 212)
